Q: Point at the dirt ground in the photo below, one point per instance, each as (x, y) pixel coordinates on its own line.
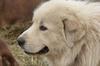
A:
(10, 34)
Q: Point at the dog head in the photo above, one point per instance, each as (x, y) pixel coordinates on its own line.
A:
(56, 26)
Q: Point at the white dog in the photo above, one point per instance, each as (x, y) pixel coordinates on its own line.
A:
(65, 33)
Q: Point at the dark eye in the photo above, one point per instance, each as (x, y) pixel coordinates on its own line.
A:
(43, 28)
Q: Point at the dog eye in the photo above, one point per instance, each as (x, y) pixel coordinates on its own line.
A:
(43, 28)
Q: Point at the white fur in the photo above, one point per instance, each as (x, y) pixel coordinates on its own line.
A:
(73, 35)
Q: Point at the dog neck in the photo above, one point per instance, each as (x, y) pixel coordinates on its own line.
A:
(67, 57)
(57, 60)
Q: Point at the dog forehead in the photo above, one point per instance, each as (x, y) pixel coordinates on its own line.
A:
(56, 7)
(48, 9)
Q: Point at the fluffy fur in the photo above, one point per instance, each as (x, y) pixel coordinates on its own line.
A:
(72, 35)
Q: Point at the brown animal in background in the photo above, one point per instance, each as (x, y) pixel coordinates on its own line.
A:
(12, 11)
(6, 58)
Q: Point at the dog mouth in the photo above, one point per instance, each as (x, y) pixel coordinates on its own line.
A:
(42, 51)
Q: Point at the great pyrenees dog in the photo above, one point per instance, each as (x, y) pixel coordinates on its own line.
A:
(64, 33)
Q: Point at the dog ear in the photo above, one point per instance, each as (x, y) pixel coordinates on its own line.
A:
(70, 25)
(73, 31)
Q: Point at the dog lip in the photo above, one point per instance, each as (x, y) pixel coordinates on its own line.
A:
(28, 53)
(42, 51)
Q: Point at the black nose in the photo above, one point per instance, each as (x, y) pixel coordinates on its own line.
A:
(21, 42)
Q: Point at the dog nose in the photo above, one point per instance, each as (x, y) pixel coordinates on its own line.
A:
(21, 41)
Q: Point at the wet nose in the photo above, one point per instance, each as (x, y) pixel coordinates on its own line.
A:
(21, 42)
